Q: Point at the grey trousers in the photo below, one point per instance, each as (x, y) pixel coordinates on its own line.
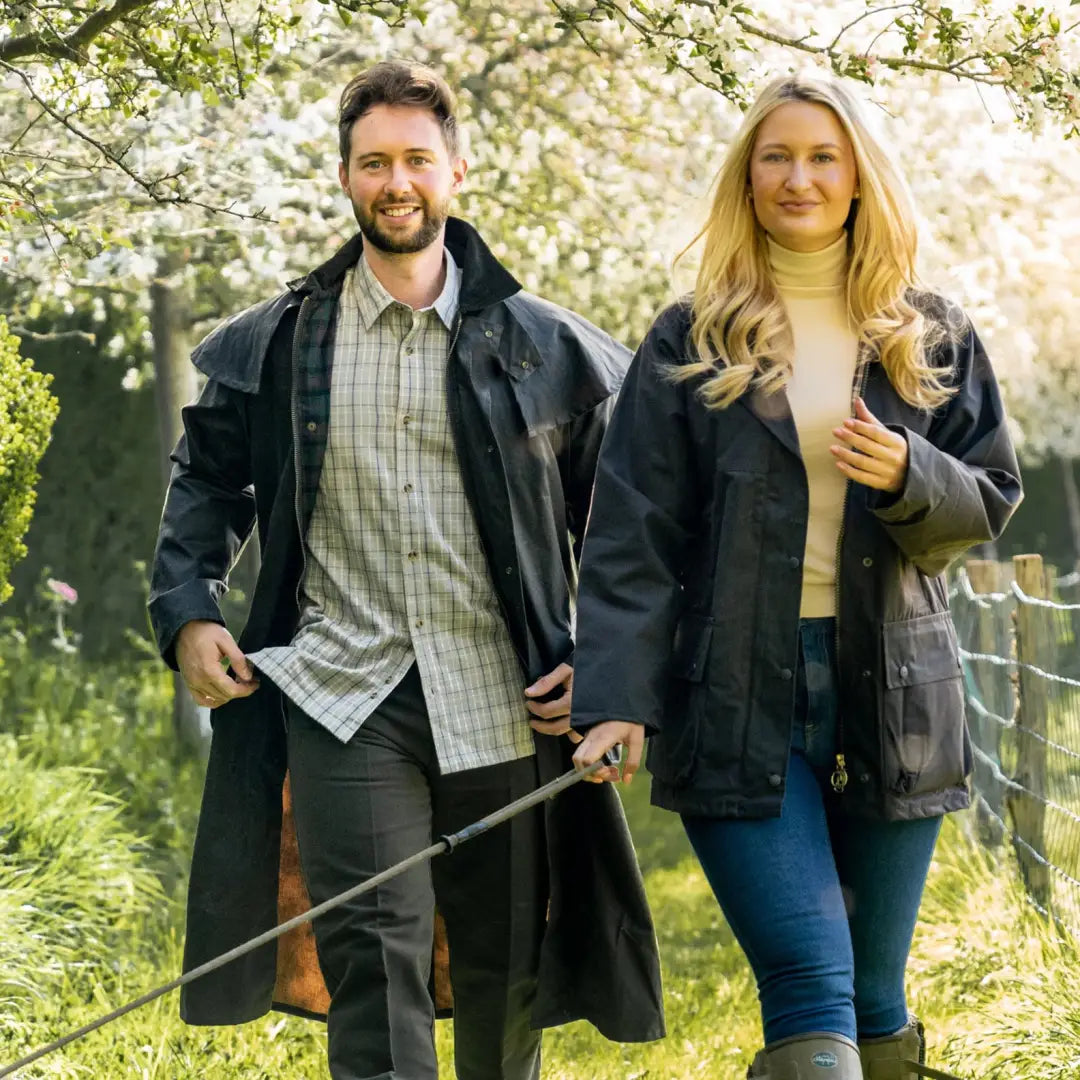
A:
(363, 806)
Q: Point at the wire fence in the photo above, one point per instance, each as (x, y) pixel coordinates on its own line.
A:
(1019, 630)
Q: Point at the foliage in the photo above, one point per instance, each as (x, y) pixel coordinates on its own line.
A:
(27, 412)
(73, 882)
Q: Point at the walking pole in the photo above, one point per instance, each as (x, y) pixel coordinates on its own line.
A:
(444, 845)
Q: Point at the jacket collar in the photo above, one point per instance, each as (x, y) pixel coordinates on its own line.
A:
(484, 280)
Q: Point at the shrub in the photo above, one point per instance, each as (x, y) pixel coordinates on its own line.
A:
(27, 412)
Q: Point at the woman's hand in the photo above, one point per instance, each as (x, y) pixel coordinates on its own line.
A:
(870, 453)
(600, 739)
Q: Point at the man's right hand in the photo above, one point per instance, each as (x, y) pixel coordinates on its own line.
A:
(201, 648)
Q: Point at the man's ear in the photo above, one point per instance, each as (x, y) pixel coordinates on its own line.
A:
(459, 168)
(343, 176)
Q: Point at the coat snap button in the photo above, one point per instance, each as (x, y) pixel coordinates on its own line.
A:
(868, 562)
(489, 333)
(867, 673)
(775, 780)
(785, 673)
(903, 671)
(311, 425)
(793, 562)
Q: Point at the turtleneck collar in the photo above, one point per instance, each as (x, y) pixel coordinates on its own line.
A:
(810, 273)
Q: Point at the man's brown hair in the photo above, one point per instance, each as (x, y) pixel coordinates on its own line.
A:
(397, 82)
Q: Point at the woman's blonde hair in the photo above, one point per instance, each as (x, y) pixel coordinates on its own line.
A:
(740, 329)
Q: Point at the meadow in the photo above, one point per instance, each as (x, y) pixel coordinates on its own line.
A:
(97, 812)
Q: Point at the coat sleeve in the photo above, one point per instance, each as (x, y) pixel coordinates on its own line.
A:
(208, 516)
(578, 467)
(963, 481)
(629, 593)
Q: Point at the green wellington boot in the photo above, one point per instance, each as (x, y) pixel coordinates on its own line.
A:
(900, 1056)
(815, 1056)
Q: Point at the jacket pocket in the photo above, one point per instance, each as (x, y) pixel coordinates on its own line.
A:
(673, 750)
(924, 738)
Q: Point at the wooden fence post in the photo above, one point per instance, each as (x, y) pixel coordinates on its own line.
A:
(984, 576)
(1026, 807)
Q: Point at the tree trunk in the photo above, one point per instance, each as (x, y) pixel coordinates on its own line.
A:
(175, 385)
(1072, 506)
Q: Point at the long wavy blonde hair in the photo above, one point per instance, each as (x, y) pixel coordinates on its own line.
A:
(740, 330)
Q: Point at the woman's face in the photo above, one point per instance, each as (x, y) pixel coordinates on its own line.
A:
(802, 175)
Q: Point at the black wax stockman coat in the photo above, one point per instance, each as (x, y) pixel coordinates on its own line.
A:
(688, 604)
(529, 389)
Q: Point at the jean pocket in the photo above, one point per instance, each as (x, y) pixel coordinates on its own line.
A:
(924, 739)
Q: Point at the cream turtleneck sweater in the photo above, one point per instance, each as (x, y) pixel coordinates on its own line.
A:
(811, 285)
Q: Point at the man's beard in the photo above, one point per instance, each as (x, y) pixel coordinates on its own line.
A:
(421, 236)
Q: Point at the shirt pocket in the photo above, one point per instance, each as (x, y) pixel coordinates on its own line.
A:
(673, 750)
(925, 745)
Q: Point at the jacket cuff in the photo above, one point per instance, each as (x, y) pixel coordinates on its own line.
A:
(914, 501)
(169, 611)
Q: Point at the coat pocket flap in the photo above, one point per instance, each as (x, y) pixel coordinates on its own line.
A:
(691, 647)
(920, 650)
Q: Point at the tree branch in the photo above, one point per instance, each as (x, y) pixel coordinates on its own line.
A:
(68, 48)
(57, 335)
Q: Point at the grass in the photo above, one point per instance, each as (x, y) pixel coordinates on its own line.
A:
(94, 796)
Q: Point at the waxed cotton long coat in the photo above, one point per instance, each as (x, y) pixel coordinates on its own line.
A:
(688, 604)
(529, 390)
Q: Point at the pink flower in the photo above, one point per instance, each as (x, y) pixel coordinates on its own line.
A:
(63, 590)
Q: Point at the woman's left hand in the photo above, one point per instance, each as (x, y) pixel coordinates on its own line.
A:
(870, 453)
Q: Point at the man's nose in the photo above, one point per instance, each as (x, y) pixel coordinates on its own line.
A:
(398, 182)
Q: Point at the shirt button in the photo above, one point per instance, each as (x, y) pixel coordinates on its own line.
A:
(785, 673)
(311, 425)
(868, 562)
(419, 622)
(407, 488)
(409, 351)
(413, 555)
(406, 420)
(775, 780)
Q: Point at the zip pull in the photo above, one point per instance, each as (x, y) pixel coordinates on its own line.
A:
(839, 776)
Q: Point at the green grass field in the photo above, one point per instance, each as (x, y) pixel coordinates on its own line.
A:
(96, 816)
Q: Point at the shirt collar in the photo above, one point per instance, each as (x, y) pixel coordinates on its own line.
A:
(372, 298)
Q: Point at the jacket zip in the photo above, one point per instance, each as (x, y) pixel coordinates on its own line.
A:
(839, 778)
(294, 409)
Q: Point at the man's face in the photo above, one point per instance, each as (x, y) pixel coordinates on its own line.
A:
(399, 178)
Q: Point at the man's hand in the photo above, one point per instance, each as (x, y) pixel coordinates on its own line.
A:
(201, 646)
(554, 716)
(601, 739)
(870, 453)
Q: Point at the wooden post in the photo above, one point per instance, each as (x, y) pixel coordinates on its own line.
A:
(986, 734)
(1026, 808)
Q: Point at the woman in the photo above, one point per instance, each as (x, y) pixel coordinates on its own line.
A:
(798, 453)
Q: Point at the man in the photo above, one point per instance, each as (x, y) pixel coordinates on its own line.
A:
(415, 438)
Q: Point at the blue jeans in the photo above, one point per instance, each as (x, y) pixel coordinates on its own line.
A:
(823, 905)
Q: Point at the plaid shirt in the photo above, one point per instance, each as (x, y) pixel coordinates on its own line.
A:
(394, 567)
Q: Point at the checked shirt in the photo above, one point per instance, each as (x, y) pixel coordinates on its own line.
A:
(394, 568)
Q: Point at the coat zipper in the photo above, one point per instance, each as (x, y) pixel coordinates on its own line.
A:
(839, 778)
(294, 408)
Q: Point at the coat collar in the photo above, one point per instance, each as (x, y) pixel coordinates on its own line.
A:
(484, 280)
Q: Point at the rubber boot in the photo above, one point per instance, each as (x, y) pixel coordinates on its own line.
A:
(814, 1056)
(900, 1056)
